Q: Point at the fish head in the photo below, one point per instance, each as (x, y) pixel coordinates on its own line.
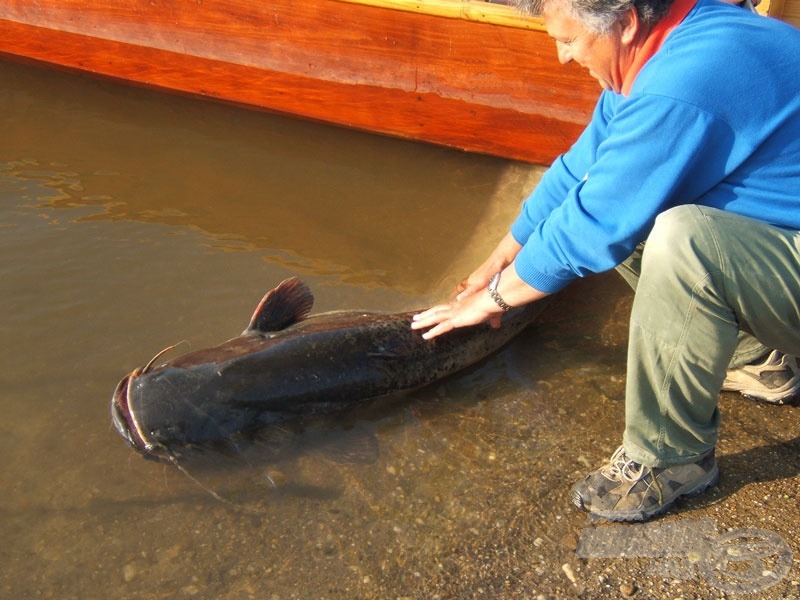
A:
(123, 417)
(125, 421)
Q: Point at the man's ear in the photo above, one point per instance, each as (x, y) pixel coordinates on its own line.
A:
(630, 26)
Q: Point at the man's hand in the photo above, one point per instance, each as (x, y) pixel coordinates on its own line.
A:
(473, 304)
(472, 309)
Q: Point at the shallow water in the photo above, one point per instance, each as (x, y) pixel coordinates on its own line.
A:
(131, 220)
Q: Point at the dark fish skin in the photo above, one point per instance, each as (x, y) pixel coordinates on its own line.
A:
(319, 363)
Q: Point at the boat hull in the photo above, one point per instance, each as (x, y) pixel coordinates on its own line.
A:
(470, 83)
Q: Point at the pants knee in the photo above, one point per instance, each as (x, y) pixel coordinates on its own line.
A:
(678, 238)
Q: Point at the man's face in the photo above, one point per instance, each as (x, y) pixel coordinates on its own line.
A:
(601, 54)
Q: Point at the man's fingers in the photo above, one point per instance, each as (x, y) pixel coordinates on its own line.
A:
(441, 328)
(460, 288)
(468, 291)
(438, 319)
(429, 317)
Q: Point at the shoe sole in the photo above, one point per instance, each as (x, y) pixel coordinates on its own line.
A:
(638, 514)
(779, 400)
(781, 397)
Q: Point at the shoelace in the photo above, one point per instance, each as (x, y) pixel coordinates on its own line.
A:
(624, 467)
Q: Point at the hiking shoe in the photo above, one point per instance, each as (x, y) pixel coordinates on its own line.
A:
(776, 379)
(624, 490)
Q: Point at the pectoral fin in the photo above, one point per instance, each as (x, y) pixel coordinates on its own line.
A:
(287, 304)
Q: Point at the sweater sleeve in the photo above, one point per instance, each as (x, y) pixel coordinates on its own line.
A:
(654, 152)
(564, 174)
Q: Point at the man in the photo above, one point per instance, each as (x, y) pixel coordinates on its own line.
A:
(694, 146)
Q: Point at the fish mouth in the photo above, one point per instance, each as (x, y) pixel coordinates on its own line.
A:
(122, 416)
(124, 420)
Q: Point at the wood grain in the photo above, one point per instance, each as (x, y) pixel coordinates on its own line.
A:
(468, 83)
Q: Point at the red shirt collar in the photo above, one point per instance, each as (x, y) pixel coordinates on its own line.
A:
(677, 12)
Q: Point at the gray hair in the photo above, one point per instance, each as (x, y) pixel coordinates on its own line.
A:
(599, 15)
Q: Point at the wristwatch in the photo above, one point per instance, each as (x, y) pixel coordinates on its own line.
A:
(493, 283)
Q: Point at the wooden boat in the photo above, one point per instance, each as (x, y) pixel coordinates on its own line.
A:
(470, 75)
(462, 73)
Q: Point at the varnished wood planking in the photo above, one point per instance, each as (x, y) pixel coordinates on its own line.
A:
(788, 10)
(470, 84)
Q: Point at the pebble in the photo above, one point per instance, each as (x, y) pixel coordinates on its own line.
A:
(129, 572)
(167, 555)
(627, 590)
(567, 568)
(569, 542)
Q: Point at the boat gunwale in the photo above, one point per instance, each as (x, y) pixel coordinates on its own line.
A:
(481, 11)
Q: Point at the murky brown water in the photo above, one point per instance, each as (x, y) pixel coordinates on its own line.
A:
(132, 220)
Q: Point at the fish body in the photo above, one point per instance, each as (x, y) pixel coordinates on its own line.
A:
(288, 364)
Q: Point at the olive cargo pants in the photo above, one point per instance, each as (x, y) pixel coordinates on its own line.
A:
(713, 289)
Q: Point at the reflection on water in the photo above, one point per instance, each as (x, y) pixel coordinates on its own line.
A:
(372, 211)
(131, 221)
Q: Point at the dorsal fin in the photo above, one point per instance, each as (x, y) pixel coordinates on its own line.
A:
(285, 305)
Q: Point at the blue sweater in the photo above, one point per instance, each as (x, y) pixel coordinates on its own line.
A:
(713, 118)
